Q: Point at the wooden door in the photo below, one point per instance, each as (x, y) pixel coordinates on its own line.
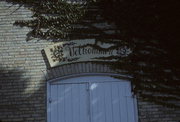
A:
(112, 102)
(69, 103)
(90, 101)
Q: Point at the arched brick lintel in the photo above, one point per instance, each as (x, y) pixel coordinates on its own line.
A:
(78, 68)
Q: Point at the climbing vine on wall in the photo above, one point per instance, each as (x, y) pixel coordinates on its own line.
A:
(154, 78)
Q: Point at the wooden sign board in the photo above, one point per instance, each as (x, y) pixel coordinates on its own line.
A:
(83, 51)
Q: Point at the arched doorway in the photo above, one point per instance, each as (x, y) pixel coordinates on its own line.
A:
(96, 98)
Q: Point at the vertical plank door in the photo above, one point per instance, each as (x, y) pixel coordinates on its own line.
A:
(111, 102)
(69, 103)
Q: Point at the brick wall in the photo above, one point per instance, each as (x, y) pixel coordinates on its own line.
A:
(22, 84)
(23, 73)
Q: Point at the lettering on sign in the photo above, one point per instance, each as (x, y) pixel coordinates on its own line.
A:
(82, 51)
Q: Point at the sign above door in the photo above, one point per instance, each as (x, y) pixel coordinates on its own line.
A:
(87, 50)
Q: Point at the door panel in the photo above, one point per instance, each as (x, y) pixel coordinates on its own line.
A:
(111, 102)
(53, 105)
(69, 103)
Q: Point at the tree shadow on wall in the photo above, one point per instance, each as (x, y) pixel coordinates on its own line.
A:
(155, 60)
(66, 22)
(151, 26)
(12, 86)
(146, 20)
(16, 102)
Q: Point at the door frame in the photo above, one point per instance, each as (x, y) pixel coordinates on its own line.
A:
(88, 78)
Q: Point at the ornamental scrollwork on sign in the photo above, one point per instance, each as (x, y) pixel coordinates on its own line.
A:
(57, 53)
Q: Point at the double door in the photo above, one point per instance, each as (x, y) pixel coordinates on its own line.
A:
(91, 102)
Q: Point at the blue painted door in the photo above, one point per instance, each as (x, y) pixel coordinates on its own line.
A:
(69, 103)
(112, 102)
(92, 102)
